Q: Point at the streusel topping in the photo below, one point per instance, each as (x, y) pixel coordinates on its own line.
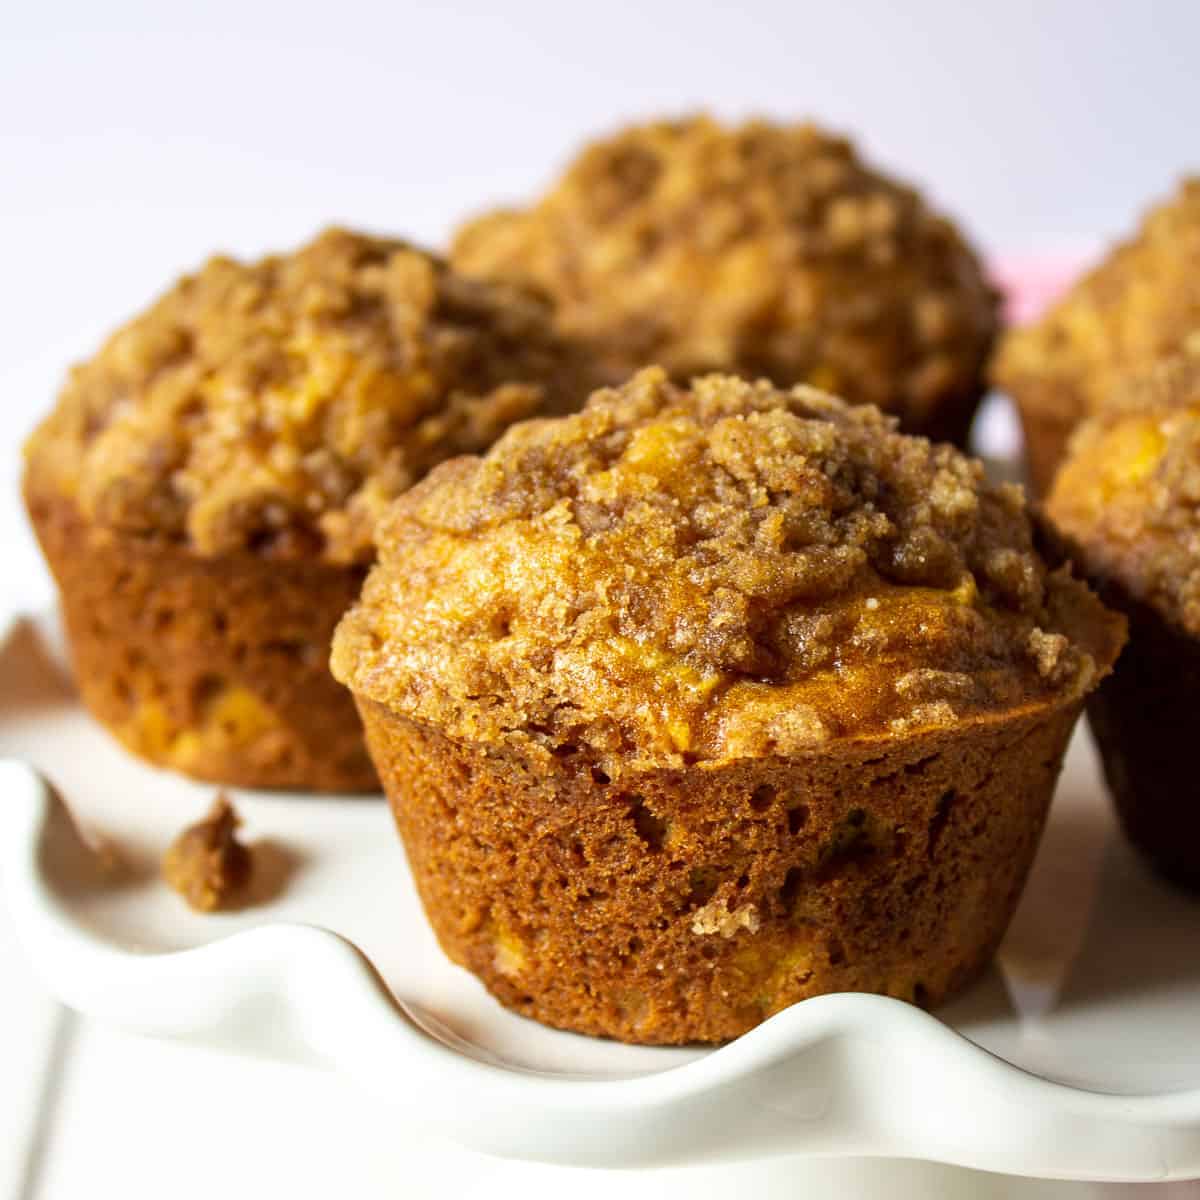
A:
(1127, 498)
(724, 571)
(761, 249)
(277, 406)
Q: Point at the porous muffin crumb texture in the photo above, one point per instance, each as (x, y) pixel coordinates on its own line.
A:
(1139, 305)
(762, 249)
(688, 905)
(214, 666)
(1127, 497)
(276, 406)
(695, 575)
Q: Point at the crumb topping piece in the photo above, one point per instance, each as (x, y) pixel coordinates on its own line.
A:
(1141, 303)
(761, 249)
(206, 864)
(276, 406)
(717, 572)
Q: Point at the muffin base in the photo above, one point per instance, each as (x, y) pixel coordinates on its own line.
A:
(1144, 718)
(215, 667)
(688, 905)
(949, 421)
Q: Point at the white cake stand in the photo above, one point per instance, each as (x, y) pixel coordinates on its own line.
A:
(1077, 1058)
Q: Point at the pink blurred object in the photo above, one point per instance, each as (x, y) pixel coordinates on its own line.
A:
(1031, 284)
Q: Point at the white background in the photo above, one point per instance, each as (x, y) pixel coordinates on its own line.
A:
(136, 138)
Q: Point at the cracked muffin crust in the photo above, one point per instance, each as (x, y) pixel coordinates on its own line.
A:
(705, 700)
(1139, 305)
(762, 249)
(1126, 502)
(206, 486)
(681, 575)
(276, 406)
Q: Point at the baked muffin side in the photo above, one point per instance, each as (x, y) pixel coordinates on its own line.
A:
(206, 486)
(1139, 305)
(763, 249)
(706, 700)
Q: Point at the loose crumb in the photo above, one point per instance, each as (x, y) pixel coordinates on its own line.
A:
(1047, 650)
(206, 864)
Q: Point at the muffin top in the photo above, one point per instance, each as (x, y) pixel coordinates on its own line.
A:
(729, 571)
(1141, 303)
(276, 406)
(761, 249)
(1127, 498)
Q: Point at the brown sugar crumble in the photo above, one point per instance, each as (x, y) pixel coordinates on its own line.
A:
(760, 249)
(206, 864)
(727, 571)
(276, 406)
(1127, 499)
(1139, 305)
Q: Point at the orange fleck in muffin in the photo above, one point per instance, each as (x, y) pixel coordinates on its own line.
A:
(704, 701)
(206, 486)
(761, 249)
(1125, 501)
(1141, 304)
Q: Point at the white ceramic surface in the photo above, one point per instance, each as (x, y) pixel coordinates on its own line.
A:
(1077, 1057)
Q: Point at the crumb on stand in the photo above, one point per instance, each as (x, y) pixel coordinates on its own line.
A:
(206, 864)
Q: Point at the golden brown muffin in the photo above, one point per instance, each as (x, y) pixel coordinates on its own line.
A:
(761, 249)
(205, 488)
(704, 701)
(1125, 501)
(1141, 304)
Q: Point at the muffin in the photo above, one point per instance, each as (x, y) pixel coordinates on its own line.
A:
(1141, 304)
(1125, 504)
(205, 488)
(760, 249)
(704, 701)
